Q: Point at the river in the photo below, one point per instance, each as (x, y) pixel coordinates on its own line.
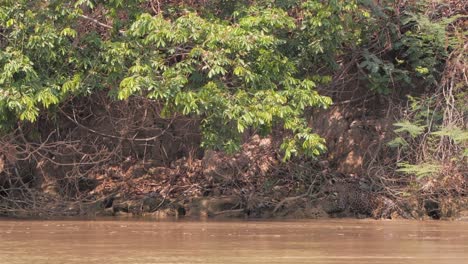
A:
(324, 241)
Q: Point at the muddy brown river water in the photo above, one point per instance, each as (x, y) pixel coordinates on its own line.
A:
(327, 241)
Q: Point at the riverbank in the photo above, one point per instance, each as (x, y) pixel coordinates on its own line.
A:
(260, 109)
(253, 183)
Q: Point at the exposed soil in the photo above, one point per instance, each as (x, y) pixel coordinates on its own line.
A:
(124, 159)
(252, 183)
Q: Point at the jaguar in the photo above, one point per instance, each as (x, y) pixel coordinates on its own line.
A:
(348, 198)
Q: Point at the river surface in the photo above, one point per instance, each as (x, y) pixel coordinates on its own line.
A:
(327, 241)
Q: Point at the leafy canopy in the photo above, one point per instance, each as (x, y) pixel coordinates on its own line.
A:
(232, 74)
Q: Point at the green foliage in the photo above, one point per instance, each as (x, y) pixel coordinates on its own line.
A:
(233, 75)
(422, 135)
(325, 30)
(420, 170)
(35, 51)
(382, 74)
(412, 129)
(236, 65)
(425, 119)
(398, 142)
(458, 135)
(423, 45)
(403, 52)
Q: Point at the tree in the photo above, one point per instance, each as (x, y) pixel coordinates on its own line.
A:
(230, 73)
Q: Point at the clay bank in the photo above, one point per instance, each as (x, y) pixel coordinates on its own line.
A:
(253, 183)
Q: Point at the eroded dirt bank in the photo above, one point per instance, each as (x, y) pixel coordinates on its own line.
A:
(125, 160)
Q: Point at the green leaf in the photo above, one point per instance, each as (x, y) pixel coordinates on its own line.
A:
(411, 128)
(420, 170)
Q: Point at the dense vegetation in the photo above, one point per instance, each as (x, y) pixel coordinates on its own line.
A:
(232, 68)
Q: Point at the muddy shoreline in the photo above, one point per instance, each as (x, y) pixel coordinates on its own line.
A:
(252, 184)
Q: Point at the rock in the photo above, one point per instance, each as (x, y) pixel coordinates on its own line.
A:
(120, 207)
(161, 214)
(151, 204)
(134, 207)
(210, 207)
(463, 216)
(108, 212)
(123, 214)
